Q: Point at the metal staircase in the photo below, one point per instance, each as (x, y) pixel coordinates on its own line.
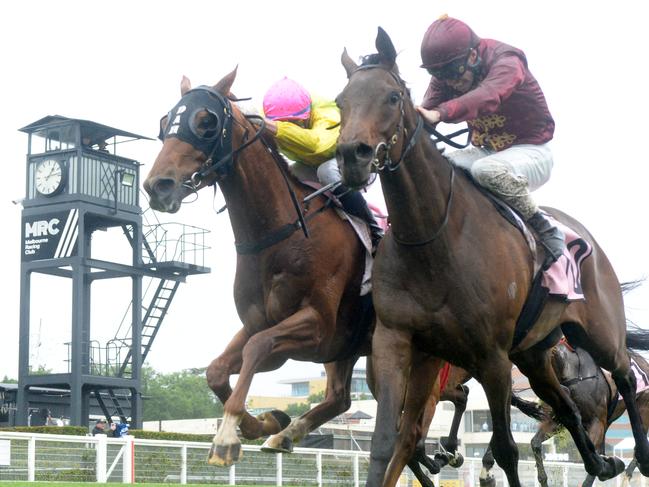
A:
(173, 256)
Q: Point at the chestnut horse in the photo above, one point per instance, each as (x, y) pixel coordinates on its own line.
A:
(297, 297)
(450, 279)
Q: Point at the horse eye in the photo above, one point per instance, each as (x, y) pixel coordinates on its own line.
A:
(206, 124)
(395, 97)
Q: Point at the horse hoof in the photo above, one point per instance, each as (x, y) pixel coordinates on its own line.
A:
(456, 461)
(224, 455)
(441, 460)
(615, 467)
(488, 482)
(278, 444)
(274, 421)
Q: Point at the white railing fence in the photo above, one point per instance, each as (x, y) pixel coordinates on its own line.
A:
(30, 457)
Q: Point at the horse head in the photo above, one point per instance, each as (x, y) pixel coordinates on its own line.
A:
(374, 112)
(197, 144)
(564, 362)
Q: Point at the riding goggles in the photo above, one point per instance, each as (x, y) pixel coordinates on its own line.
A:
(450, 71)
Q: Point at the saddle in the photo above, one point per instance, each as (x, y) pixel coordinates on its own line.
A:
(561, 281)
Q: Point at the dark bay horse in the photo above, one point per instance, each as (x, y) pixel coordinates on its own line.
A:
(297, 297)
(596, 396)
(450, 280)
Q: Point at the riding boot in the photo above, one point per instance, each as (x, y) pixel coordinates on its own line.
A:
(354, 203)
(514, 190)
(550, 237)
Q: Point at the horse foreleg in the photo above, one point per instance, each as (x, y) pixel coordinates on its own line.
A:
(218, 379)
(391, 356)
(419, 456)
(496, 380)
(292, 336)
(547, 429)
(628, 473)
(423, 375)
(337, 400)
(486, 477)
(626, 384)
(459, 396)
(423, 479)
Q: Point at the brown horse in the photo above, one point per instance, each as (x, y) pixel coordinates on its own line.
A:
(451, 278)
(596, 396)
(297, 297)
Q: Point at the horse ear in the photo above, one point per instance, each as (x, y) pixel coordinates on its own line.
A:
(385, 48)
(185, 85)
(225, 84)
(348, 63)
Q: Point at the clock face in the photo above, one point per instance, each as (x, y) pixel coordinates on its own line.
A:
(49, 177)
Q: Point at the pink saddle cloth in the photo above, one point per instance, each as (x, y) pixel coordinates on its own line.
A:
(563, 278)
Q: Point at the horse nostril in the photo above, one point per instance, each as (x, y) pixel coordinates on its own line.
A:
(364, 151)
(164, 186)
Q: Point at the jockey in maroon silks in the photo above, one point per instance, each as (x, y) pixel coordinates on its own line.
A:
(487, 84)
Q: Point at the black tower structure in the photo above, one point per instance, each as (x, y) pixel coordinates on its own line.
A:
(78, 185)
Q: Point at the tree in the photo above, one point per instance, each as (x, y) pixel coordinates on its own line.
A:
(297, 409)
(7, 380)
(178, 395)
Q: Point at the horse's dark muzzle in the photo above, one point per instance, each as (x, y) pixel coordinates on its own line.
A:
(354, 159)
(161, 192)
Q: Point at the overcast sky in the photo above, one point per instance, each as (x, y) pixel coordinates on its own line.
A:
(120, 63)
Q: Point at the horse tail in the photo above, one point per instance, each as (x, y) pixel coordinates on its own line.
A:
(629, 286)
(532, 409)
(637, 338)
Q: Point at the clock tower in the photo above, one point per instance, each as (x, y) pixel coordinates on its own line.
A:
(77, 185)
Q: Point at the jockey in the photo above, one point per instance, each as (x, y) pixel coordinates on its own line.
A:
(487, 84)
(306, 131)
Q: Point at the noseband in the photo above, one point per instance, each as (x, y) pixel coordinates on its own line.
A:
(386, 162)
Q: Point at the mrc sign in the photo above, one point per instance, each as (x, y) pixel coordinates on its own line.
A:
(50, 235)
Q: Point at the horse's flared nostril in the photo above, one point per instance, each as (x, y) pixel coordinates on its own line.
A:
(354, 152)
(363, 151)
(163, 186)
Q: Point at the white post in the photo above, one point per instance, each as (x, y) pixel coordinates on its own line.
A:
(355, 469)
(279, 470)
(31, 459)
(233, 475)
(101, 450)
(471, 474)
(505, 481)
(318, 463)
(128, 471)
(436, 479)
(183, 464)
(565, 476)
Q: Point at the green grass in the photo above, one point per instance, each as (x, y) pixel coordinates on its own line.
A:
(95, 484)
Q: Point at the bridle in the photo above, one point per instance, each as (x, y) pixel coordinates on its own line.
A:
(386, 163)
(216, 144)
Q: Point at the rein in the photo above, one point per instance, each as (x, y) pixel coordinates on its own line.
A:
(221, 149)
(391, 166)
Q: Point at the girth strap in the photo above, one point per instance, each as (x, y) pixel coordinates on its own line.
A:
(278, 235)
